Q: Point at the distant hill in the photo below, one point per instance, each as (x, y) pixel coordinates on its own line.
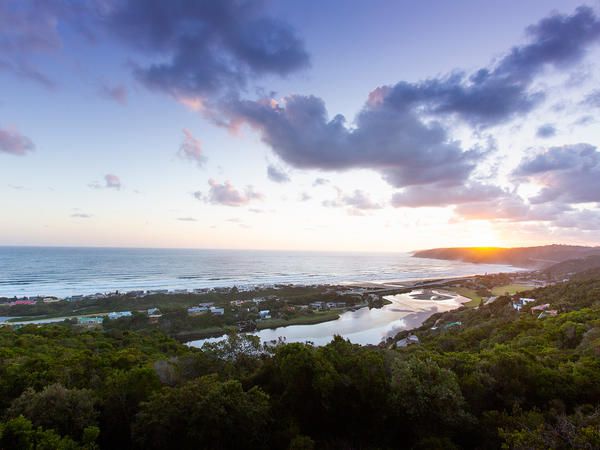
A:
(573, 266)
(530, 257)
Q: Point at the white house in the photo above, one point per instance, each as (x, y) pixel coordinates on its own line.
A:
(118, 314)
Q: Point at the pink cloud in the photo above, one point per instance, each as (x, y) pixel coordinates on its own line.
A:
(191, 148)
(117, 93)
(112, 181)
(226, 194)
(11, 141)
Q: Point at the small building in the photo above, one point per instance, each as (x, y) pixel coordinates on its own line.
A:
(331, 305)
(118, 314)
(264, 314)
(90, 321)
(548, 313)
(316, 305)
(539, 308)
(408, 340)
(51, 300)
(197, 310)
(217, 311)
(491, 299)
(452, 325)
(153, 311)
(22, 302)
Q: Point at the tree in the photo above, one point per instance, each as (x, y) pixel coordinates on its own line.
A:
(204, 413)
(67, 411)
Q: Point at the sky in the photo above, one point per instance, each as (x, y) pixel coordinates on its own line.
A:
(331, 125)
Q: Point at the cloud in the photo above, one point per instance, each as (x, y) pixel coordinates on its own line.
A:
(512, 208)
(277, 175)
(227, 195)
(112, 181)
(360, 200)
(14, 143)
(546, 131)
(357, 202)
(30, 27)
(496, 93)
(205, 49)
(81, 216)
(24, 70)
(117, 93)
(404, 149)
(440, 195)
(191, 148)
(567, 174)
(402, 130)
(592, 99)
(320, 182)
(304, 197)
(580, 219)
(186, 219)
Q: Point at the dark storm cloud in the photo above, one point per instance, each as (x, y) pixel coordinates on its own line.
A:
(277, 175)
(404, 149)
(204, 48)
(567, 174)
(546, 131)
(399, 132)
(14, 143)
(496, 93)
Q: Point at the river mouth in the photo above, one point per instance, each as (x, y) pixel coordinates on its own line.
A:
(365, 326)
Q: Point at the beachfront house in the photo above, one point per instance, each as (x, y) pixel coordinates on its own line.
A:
(317, 305)
(22, 302)
(118, 314)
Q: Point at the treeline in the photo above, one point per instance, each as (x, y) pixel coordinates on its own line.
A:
(500, 378)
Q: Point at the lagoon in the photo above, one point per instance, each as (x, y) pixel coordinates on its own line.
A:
(366, 326)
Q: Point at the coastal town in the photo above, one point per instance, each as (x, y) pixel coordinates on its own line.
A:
(204, 312)
(196, 313)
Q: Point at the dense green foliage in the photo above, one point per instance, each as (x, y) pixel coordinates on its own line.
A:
(498, 378)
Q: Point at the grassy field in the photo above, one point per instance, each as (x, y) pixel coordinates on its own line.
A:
(301, 320)
(469, 293)
(511, 289)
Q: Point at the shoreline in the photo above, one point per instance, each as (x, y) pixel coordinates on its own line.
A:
(372, 287)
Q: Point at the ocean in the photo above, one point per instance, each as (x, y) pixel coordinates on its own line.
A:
(66, 271)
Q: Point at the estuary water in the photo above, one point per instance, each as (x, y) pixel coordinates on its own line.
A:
(364, 326)
(32, 271)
